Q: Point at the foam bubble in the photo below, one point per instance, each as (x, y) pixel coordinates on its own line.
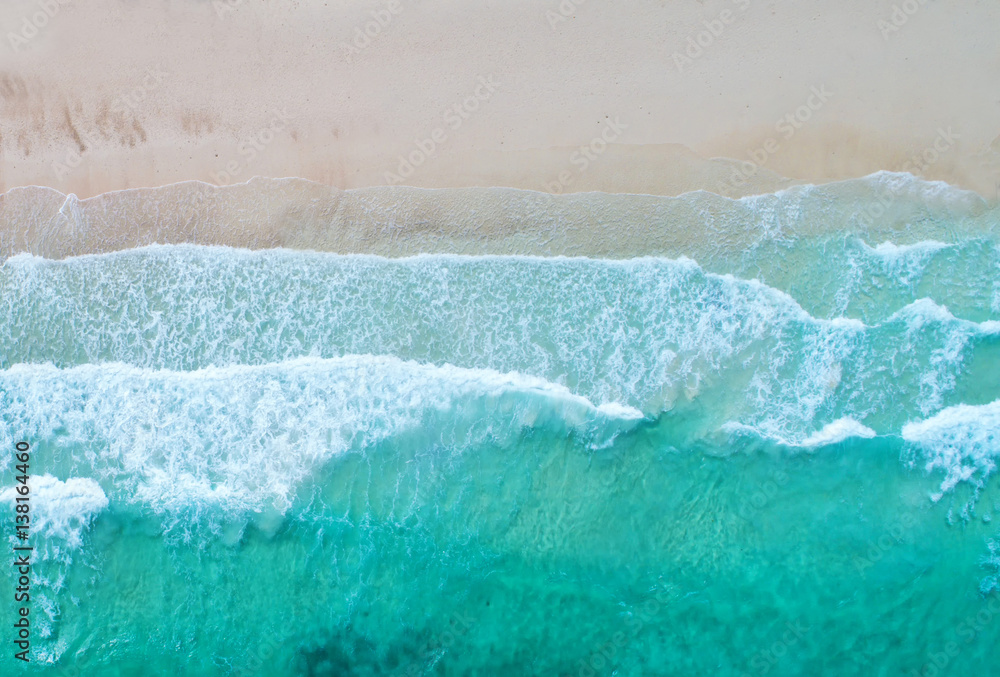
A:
(923, 311)
(838, 431)
(831, 433)
(60, 509)
(245, 437)
(648, 333)
(894, 252)
(963, 441)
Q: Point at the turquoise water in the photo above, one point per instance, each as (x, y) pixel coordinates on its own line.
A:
(772, 462)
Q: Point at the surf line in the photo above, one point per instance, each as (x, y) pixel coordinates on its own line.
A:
(22, 552)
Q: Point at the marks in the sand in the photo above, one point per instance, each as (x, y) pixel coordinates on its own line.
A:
(43, 120)
(12, 88)
(85, 131)
(197, 123)
(23, 113)
(113, 121)
(71, 128)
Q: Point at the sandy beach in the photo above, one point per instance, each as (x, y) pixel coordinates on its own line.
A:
(572, 338)
(732, 96)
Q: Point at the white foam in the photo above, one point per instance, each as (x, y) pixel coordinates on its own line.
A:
(963, 441)
(925, 318)
(616, 410)
(244, 437)
(837, 431)
(849, 323)
(646, 333)
(61, 509)
(904, 263)
(907, 186)
(923, 311)
(891, 251)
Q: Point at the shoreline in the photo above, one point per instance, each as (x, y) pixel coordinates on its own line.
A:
(668, 170)
(400, 221)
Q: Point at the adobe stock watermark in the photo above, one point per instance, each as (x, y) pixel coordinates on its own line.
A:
(900, 15)
(253, 664)
(917, 164)
(250, 148)
(965, 633)
(697, 43)
(585, 155)
(33, 24)
(562, 13)
(381, 18)
(894, 535)
(453, 118)
(89, 136)
(764, 660)
(602, 657)
(458, 626)
(787, 126)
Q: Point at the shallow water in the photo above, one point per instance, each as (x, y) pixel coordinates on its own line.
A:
(775, 460)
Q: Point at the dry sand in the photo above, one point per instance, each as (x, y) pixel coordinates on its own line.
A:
(100, 95)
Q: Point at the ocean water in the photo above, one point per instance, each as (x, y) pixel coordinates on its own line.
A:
(711, 457)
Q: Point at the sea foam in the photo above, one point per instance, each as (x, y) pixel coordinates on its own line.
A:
(649, 333)
(245, 437)
(61, 509)
(963, 441)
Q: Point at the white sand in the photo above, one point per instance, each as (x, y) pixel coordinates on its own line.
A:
(110, 94)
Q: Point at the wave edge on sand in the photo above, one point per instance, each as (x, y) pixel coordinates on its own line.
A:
(265, 213)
